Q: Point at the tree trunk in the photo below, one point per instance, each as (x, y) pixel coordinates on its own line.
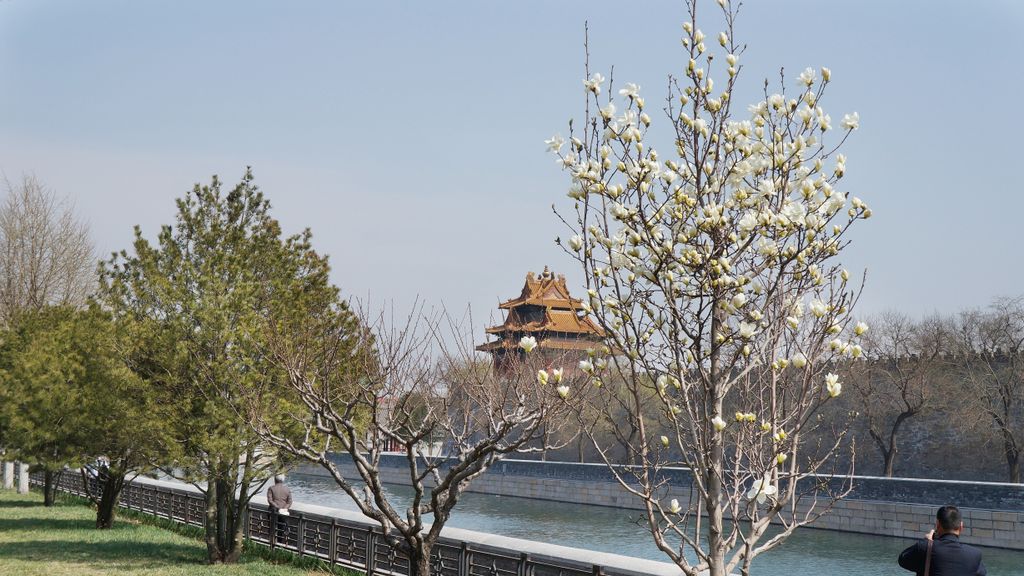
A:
(419, 561)
(110, 493)
(223, 521)
(50, 479)
(1013, 463)
(714, 467)
(890, 461)
(213, 552)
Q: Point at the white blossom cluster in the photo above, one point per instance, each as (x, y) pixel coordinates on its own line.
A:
(713, 267)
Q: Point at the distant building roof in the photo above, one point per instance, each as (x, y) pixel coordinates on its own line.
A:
(546, 310)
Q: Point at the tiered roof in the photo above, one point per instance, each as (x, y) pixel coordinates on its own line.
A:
(547, 311)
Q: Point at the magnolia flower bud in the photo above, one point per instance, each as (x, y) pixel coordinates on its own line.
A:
(563, 391)
(542, 377)
(576, 243)
(664, 441)
(723, 39)
(674, 506)
(781, 458)
(832, 385)
(718, 423)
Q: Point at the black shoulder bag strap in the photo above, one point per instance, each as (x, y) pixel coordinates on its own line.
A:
(928, 558)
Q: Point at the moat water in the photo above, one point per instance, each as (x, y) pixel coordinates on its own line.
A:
(621, 531)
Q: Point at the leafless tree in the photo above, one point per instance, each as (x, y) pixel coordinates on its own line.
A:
(904, 359)
(407, 385)
(991, 359)
(46, 253)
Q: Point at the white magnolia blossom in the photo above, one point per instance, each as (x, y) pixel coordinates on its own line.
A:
(739, 300)
(593, 84)
(748, 222)
(586, 366)
(555, 143)
(799, 360)
(542, 377)
(747, 330)
(807, 77)
(860, 328)
(528, 343)
(832, 385)
(818, 308)
(851, 121)
(608, 110)
(718, 423)
(556, 375)
(762, 490)
(576, 242)
(563, 391)
(674, 506)
(631, 90)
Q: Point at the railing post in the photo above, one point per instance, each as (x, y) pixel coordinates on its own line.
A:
(274, 519)
(464, 559)
(22, 478)
(8, 475)
(524, 561)
(246, 522)
(332, 544)
(371, 538)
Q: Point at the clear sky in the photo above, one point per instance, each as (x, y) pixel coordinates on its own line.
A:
(409, 135)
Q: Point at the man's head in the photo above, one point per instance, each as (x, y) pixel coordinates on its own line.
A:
(948, 520)
(279, 479)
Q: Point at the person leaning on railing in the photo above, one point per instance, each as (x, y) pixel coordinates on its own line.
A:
(941, 553)
(279, 498)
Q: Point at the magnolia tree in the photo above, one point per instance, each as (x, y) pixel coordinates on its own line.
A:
(713, 269)
(406, 387)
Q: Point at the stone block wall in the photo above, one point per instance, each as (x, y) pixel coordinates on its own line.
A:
(901, 507)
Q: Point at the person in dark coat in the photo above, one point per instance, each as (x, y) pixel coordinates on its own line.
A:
(949, 557)
(279, 498)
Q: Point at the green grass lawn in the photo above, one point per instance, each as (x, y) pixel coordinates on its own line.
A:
(58, 541)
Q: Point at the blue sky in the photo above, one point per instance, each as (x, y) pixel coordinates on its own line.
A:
(409, 135)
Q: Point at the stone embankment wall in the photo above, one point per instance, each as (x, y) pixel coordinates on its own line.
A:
(901, 507)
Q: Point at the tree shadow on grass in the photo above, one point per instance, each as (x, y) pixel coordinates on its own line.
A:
(106, 556)
(20, 503)
(45, 524)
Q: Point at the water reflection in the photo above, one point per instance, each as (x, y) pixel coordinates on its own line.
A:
(621, 532)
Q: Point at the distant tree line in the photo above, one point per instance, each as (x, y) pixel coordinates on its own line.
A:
(924, 391)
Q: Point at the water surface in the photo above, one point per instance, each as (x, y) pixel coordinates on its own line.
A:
(621, 531)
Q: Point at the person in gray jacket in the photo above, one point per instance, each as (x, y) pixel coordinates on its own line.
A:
(279, 498)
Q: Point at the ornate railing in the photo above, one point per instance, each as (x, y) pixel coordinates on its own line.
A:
(359, 546)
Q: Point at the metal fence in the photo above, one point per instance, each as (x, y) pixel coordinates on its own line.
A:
(337, 541)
